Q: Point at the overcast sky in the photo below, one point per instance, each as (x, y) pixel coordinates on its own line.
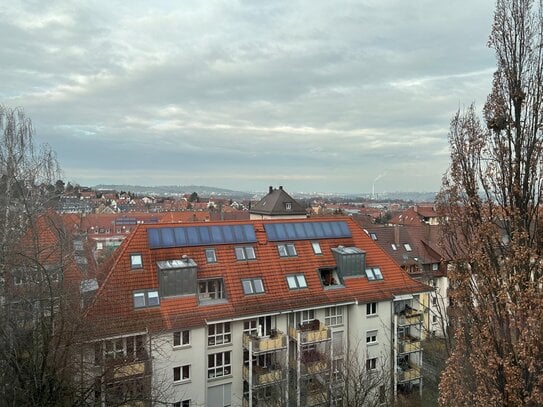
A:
(331, 96)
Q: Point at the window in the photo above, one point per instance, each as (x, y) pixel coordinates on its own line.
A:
(287, 250)
(371, 364)
(258, 326)
(128, 348)
(146, 299)
(184, 403)
(374, 273)
(371, 337)
(316, 247)
(181, 338)
(245, 253)
(329, 277)
(434, 301)
(373, 235)
(218, 365)
(209, 290)
(371, 308)
(219, 334)
(136, 261)
(253, 286)
(181, 373)
(211, 256)
(394, 247)
(435, 266)
(333, 316)
(288, 206)
(434, 319)
(407, 247)
(307, 316)
(219, 396)
(296, 281)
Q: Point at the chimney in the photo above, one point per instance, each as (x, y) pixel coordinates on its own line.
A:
(397, 235)
(281, 187)
(271, 189)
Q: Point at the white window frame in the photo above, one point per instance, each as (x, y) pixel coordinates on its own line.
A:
(333, 316)
(371, 337)
(182, 338)
(307, 316)
(371, 309)
(219, 334)
(253, 286)
(183, 372)
(316, 246)
(217, 365)
(371, 364)
(182, 403)
(296, 281)
(245, 253)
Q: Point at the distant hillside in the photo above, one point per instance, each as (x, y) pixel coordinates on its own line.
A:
(173, 190)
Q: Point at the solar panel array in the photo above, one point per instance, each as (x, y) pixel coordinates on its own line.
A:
(183, 236)
(306, 230)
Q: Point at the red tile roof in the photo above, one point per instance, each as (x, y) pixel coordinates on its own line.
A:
(114, 312)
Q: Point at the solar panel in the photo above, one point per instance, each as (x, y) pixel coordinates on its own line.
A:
(183, 236)
(306, 230)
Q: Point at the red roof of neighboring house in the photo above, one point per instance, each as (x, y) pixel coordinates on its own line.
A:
(185, 216)
(114, 312)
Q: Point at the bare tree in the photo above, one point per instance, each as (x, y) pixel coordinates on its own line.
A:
(491, 198)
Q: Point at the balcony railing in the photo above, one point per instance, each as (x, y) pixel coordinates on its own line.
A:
(265, 343)
(411, 317)
(313, 331)
(263, 376)
(413, 373)
(409, 344)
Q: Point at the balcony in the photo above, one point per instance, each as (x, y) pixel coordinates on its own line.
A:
(313, 362)
(273, 342)
(313, 331)
(409, 344)
(409, 317)
(411, 373)
(263, 375)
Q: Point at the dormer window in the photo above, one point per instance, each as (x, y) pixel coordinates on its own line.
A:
(288, 206)
(136, 261)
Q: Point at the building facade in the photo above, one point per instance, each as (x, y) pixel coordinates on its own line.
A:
(264, 312)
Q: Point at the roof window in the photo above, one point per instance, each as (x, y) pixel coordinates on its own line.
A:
(296, 281)
(374, 273)
(252, 286)
(245, 253)
(287, 250)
